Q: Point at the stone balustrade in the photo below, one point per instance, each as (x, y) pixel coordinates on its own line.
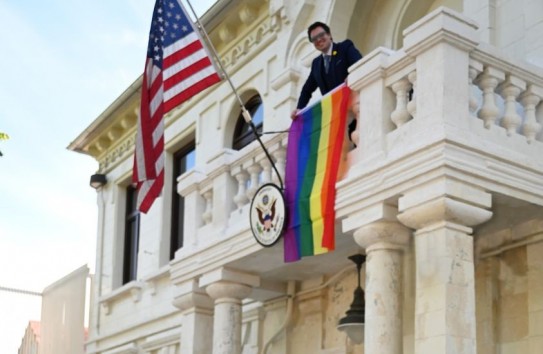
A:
(445, 94)
(443, 101)
(505, 94)
(254, 169)
(217, 199)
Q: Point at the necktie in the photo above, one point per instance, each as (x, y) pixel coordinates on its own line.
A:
(326, 63)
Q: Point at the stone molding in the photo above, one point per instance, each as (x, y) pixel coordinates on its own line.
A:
(441, 25)
(118, 154)
(382, 235)
(132, 289)
(190, 296)
(161, 340)
(197, 301)
(258, 36)
(227, 275)
(223, 291)
(443, 209)
(497, 242)
(129, 348)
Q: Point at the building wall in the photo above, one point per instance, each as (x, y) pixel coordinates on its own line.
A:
(63, 314)
(31, 339)
(268, 53)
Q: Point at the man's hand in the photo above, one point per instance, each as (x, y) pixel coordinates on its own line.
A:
(294, 114)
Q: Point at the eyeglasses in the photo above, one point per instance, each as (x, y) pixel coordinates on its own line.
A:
(318, 36)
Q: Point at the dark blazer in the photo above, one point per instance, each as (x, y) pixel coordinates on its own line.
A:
(344, 54)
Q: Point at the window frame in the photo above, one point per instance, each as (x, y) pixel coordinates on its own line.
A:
(131, 236)
(178, 202)
(243, 134)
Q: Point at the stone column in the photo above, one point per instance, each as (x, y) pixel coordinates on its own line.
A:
(384, 242)
(197, 312)
(486, 288)
(228, 287)
(535, 294)
(443, 212)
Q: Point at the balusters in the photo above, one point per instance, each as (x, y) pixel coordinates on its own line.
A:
(488, 82)
(509, 90)
(473, 102)
(400, 116)
(512, 89)
(412, 104)
(207, 215)
(280, 162)
(266, 171)
(530, 99)
(241, 198)
(254, 171)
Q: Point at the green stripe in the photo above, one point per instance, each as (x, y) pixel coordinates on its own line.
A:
(306, 229)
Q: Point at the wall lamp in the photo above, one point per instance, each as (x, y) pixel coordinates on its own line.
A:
(98, 180)
(353, 322)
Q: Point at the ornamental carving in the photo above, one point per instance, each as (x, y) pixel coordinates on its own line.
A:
(118, 154)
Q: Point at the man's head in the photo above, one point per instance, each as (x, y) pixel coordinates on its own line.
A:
(319, 34)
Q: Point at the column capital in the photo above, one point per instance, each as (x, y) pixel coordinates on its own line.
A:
(227, 290)
(193, 301)
(370, 214)
(190, 296)
(230, 276)
(382, 235)
(445, 202)
(444, 210)
(228, 283)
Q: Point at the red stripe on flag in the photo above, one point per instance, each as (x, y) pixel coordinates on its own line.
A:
(149, 151)
(147, 125)
(181, 54)
(191, 91)
(187, 73)
(146, 201)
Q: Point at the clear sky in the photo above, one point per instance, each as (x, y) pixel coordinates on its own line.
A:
(62, 63)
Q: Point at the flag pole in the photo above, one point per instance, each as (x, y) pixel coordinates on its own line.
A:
(246, 115)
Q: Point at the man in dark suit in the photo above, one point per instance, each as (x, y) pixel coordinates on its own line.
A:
(329, 69)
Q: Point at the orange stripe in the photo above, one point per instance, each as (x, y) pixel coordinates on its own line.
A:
(338, 131)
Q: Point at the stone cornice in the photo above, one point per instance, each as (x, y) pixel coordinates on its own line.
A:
(386, 179)
(114, 156)
(110, 138)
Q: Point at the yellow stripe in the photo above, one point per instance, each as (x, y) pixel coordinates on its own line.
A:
(316, 192)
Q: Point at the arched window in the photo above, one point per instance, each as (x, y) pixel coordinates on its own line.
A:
(243, 134)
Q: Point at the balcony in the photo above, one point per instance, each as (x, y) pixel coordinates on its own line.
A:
(445, 116)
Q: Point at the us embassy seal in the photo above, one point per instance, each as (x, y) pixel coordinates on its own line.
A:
(267, 214)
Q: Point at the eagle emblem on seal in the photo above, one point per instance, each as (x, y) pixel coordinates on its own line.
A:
(266, 213)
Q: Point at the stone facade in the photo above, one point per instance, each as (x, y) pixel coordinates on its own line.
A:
(443, 192)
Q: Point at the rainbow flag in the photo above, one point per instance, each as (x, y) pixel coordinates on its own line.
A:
(314, 152)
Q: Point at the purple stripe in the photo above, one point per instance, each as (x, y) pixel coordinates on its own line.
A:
(291, 247)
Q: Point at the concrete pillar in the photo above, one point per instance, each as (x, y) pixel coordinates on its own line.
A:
(228, 288)
(486, 294)
(443, 213)
(535, 295)
(384, 242)
(197, 312)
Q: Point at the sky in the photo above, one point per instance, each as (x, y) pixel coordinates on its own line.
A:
(63, 63)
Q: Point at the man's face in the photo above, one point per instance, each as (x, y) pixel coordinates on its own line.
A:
(320, 39)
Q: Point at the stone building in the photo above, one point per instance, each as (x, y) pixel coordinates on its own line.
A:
(443, 192)
(31, 339)
(61, 329)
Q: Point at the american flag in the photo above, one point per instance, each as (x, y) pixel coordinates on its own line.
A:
(177, 67)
